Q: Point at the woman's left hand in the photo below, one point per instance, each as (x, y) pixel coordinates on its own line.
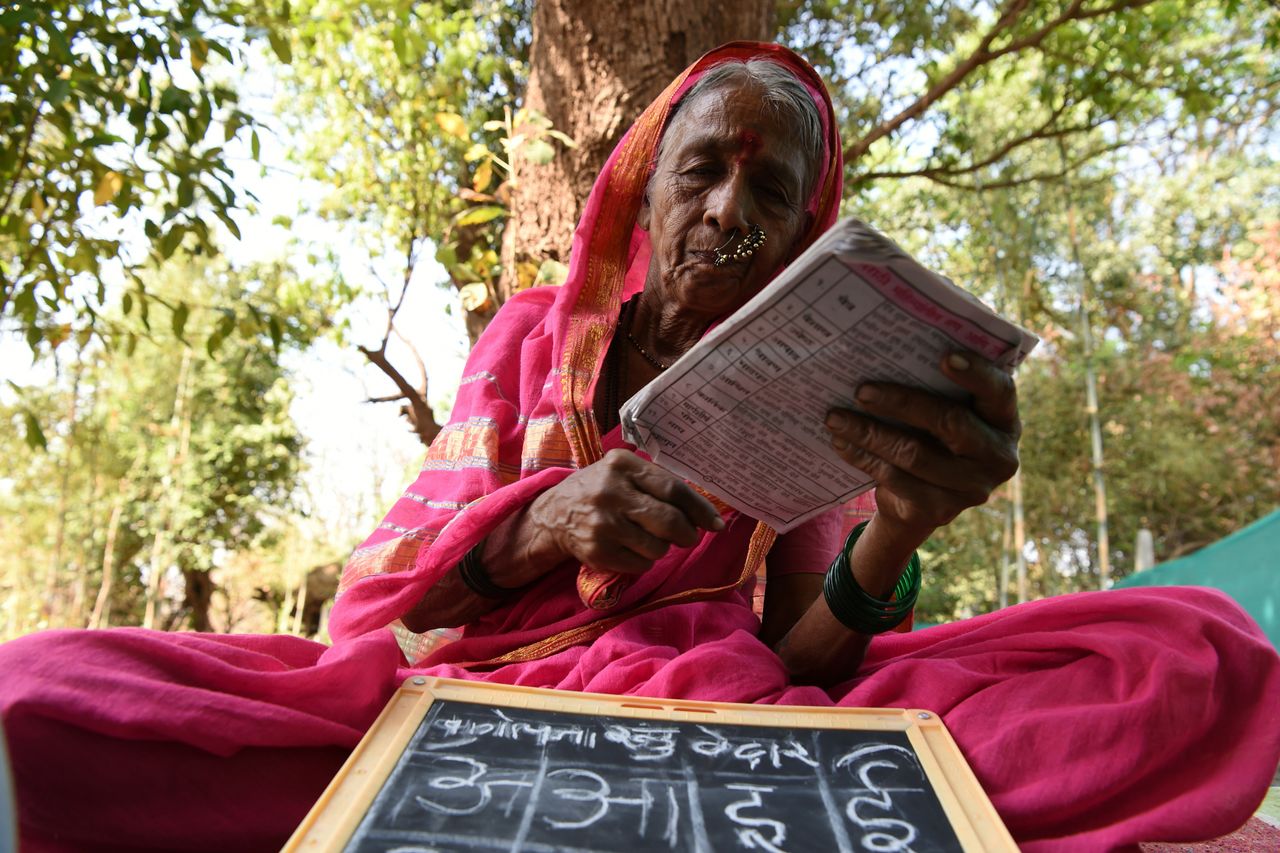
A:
(948, 457)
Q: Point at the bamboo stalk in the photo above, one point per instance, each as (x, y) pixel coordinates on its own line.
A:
(1091, 390)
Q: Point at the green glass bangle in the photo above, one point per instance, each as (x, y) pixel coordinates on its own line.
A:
(857, 609)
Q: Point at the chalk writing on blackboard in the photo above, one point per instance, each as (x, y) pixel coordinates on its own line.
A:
(478, 777)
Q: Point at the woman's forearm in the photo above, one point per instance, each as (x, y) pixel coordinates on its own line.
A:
(514, 554)
(819, 649)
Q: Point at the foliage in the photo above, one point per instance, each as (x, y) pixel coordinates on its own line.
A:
(900, 69)
(194, 454)
(398, 133)
(115, 124)
(1113, 159)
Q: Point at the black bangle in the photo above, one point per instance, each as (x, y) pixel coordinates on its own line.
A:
(472, 572)
(860, 611)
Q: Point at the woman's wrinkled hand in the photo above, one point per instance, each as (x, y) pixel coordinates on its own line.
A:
(947, 456)
(622, 514)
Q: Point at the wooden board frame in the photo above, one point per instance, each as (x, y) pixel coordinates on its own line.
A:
(334, 818)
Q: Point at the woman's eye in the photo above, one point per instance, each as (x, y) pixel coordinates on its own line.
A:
(700, 171)
(772, 193)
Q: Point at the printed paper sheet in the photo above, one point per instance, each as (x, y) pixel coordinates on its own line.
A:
(741, 413)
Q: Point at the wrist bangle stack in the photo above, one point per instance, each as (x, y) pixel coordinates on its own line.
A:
(856, 609)
(473, 574)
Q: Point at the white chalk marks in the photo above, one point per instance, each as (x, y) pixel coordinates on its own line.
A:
(483, 778)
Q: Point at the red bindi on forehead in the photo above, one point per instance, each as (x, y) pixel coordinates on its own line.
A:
(749, 144)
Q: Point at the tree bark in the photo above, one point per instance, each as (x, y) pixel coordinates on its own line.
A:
(1083, 278)
(197, 598)
(593, 68)
(101, 616)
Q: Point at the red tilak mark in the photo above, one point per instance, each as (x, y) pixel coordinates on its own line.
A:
(748, 145)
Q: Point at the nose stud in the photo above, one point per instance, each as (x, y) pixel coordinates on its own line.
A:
(754, 240)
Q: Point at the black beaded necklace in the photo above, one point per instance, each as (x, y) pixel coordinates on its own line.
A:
(615, 365)
(659, 366)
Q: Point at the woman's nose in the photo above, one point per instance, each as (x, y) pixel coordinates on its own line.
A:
(727, 205)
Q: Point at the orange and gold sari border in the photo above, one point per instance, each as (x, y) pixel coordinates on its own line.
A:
(474, 437)
(546, 443)
(416, 647)
(606, 258)
(394, 555)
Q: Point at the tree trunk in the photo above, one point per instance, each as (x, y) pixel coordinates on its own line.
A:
(593, 68)
(101, 616)
(197, 598)
(171, 493)
(54, 570)
(1091, 388)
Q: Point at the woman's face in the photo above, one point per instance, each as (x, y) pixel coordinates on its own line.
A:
(727, 164)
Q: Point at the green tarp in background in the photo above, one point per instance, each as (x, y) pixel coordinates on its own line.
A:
(1244, 565)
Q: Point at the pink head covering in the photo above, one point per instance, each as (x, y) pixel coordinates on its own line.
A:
(523, 418)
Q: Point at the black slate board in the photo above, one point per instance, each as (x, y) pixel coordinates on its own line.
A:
(480, 777)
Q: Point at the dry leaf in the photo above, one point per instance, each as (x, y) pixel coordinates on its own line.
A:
(483, 177)
(108, 187)
(452, 124)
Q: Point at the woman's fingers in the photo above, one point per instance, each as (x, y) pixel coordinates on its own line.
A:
(995, 395)
(988, 424)
(994, 403)
(933, 457)
(669, 489)
(663, 521)
(623, 513)
(909, 498)
(908, 450)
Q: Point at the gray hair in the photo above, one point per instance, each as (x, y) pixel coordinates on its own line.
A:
(785, 95)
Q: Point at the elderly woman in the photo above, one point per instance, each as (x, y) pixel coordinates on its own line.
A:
(574, 562)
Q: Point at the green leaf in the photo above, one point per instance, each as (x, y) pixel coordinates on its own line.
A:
(446, 255)
(551, 272)
(58, 91)
(255, 146)
(281, 46)
(277, 332)
(480, 215)
(539, 151)
(229, 222)
(35, 436)
(180, 320)
(227, 324)
(563, 137)
(174, 100)
(171, 240)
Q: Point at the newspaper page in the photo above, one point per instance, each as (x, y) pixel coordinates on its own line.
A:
(741, 413)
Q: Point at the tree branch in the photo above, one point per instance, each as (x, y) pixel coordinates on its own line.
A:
(983, 55)
(1044, 131)
(944, 177)
(416, 408)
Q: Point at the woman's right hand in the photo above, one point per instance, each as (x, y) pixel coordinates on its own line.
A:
(622, 514)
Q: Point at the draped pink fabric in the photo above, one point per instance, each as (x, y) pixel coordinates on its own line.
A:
(1093, 721)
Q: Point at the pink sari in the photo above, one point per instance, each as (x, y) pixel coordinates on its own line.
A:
(1093, 721)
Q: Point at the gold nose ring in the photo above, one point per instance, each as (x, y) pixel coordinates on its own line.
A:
(754, 240)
